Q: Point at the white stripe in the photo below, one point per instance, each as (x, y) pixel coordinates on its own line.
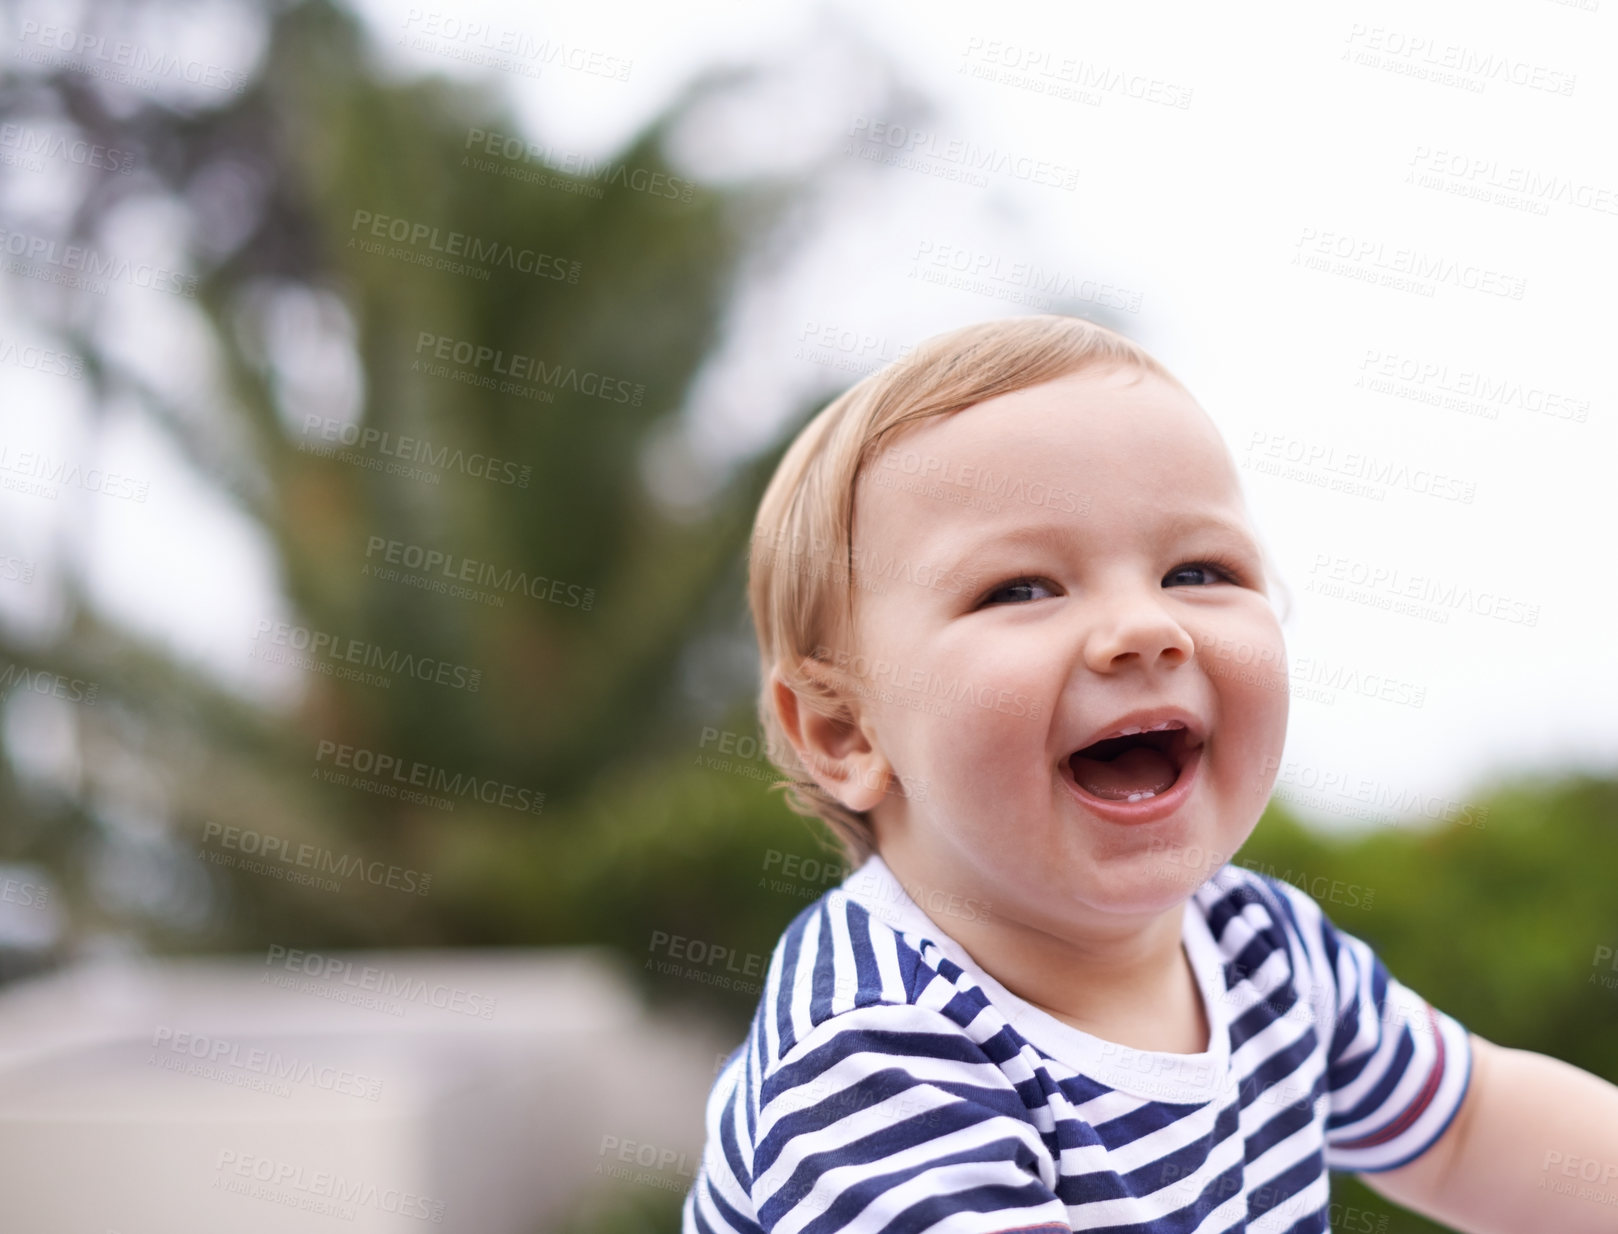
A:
(1161, 1201)
(1089, 1158)
(1295, 1208)
(1402, 1004)
(845, 972)
(803, 978)
(864, 1064)
(772, 998)
(885, 945)
(711, 1213)
(882, 1209)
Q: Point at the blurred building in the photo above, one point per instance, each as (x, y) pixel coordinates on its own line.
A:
(487, 1092)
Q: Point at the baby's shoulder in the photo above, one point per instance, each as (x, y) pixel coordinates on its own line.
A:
(1252, 913)
(839, 968)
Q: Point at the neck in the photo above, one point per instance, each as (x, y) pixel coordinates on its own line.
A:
(1123, 978)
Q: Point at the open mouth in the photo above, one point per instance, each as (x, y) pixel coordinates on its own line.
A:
(1136, 767)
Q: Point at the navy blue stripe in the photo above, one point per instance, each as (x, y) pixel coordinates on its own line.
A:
(852, 1041)
(789, 966)
(737, 1220)
(1276, 1005)
(731, 1146)
(823, 981)
(1295, 1178)
(1281, 1065)
(1379, 1092)
(877, 1146)
(1149, 1118)
(1288, 1122)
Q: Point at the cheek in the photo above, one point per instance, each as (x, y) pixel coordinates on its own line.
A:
(1246, 661)
(987, 746)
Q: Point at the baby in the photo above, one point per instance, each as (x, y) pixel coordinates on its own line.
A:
(1019, 653)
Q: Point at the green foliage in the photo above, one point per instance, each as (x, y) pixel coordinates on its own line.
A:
(574, 649)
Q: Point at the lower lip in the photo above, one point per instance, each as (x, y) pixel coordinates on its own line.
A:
(1149, 810)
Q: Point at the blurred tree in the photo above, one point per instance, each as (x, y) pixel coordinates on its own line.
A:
(601, 294)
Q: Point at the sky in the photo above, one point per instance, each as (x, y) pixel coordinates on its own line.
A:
(1375, 241)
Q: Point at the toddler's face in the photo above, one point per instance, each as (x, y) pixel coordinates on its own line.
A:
(1088, 600)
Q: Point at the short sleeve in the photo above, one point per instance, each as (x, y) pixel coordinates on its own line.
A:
(891, 1118)
(1397, 1068)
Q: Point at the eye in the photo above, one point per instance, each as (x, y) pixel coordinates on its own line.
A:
(1223, 571)
(1014, 586)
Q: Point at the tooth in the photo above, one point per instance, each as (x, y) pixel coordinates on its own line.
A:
(1141, 796)
(1131, 731)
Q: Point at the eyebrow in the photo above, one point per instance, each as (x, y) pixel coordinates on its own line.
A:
(1056, 536)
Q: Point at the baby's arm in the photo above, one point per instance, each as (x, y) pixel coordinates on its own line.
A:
(1534, 1147)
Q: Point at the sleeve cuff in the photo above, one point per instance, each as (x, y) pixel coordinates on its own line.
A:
(1441, 1071)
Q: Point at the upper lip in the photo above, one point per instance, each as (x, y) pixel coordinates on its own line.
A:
(1195, 730)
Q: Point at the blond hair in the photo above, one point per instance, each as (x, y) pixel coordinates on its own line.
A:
(802, 552)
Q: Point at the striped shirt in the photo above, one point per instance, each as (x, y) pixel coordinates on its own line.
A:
(889, 1084)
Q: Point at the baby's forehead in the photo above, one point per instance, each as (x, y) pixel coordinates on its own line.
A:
(1071, 430)
(1073, 452)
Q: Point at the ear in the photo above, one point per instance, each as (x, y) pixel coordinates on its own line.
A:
(837, 750)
